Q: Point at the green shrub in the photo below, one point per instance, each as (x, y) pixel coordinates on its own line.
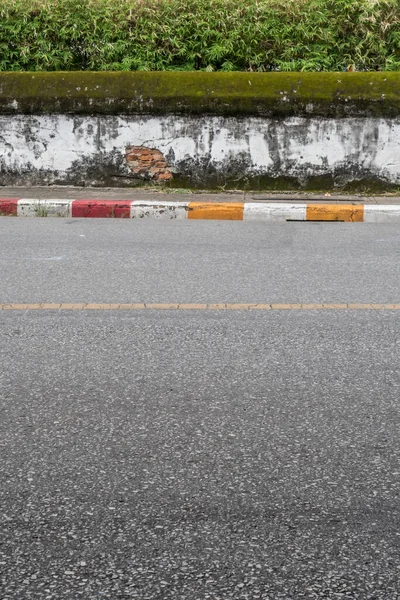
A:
(210, 35)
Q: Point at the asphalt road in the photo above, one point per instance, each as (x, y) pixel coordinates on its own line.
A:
(199, 455)
(110, 260)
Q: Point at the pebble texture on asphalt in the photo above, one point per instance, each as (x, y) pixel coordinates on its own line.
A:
(167, 455)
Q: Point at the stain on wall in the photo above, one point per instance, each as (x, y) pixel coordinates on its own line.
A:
(148, 164)
(200, 151)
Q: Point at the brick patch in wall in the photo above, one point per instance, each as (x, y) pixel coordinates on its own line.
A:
(147, 163)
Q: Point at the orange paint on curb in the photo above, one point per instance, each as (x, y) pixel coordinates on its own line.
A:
(227, 211)
(335, 212)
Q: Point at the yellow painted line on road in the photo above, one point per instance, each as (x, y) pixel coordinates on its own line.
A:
(192, 306)
(229, 211)
(335, 212)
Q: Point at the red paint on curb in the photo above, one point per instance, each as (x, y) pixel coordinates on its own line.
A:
(8, 206)
(102, 209)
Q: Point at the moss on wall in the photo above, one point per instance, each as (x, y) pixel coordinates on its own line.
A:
(374, 94)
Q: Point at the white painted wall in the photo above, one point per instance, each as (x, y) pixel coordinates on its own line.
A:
(60, 148)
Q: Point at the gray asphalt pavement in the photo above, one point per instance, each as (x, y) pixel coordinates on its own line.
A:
(110, 260)
(199, 455)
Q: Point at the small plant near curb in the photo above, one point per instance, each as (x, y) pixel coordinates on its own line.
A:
(41, 210)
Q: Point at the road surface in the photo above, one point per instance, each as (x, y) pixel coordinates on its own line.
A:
(213, 454)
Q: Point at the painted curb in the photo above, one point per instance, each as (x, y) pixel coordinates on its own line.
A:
(227, 211)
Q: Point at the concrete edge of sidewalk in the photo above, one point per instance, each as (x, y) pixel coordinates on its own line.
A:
(173, 209)
(172, 194)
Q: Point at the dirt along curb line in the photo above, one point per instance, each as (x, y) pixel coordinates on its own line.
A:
(226, 211)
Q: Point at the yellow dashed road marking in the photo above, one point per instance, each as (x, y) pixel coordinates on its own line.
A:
(176, 306)
(160, 306)
(334, 306)
(192, 306)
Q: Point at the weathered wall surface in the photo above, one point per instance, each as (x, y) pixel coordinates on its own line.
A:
(281, 143)
(205, 151)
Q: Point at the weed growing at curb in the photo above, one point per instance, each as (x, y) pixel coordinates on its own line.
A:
(41, 210)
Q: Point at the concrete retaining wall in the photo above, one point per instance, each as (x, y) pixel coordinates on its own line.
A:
(343, 137)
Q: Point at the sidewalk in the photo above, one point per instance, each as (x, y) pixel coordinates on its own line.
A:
(182, 204)
(91, 193)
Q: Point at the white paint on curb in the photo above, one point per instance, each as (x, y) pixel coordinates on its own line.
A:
(141, 209)
(382, 213)
(274, 212)
(33, 207)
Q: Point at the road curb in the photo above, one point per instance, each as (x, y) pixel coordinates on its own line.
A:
(231, 211)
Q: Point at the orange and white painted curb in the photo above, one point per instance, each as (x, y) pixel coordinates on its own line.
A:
(226, 211)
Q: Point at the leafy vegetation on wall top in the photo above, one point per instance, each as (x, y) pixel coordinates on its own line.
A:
(209, 35)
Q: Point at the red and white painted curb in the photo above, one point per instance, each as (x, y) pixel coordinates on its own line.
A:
(238, 211)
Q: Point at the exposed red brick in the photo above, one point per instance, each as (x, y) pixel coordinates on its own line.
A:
(147, 163)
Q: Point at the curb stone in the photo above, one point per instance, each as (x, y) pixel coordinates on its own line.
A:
(232, 211)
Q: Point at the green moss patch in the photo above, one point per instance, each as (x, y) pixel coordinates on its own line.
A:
(228, 94)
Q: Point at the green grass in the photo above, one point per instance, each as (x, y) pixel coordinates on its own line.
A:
(42, 211)
(209, 35)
